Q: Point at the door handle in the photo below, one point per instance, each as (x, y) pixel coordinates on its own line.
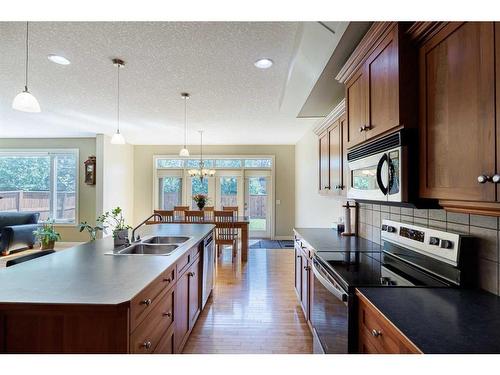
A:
(380, 183)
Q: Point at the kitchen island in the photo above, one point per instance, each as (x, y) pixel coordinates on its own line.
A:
(83, 300)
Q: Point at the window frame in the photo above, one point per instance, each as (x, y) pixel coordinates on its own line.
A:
(52, 152)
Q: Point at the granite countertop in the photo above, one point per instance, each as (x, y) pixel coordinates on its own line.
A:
(325, 239)
(84, 274)
(442, 320)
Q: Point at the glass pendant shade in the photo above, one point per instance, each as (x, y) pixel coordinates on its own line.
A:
(26, 102)
(184, 153)
(117, 139)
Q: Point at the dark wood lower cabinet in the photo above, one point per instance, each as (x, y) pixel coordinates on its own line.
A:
(158, 319)
(303, 277)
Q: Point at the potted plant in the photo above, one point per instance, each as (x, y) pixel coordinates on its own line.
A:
(115, 219)
(201, 200)
(47, 235)
(90, 229)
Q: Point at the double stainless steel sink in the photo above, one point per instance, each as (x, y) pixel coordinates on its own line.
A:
(156, 245)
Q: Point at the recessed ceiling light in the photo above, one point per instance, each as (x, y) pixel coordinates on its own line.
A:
(61, 60)
(263, 63)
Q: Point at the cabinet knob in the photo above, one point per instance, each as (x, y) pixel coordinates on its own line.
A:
(167, 314)
(482, 179)
(307, 268)
(495, 179)
(146, 302)
(376, 333)
(167, 280)
(191, 274)
(362, 128)
(147, 344)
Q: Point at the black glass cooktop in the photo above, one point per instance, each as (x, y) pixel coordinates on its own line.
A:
(353, 268)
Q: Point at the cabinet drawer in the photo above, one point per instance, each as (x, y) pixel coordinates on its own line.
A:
(144, 302)
(166, 344)
(149, 333)
(184, 261)
(376, 334)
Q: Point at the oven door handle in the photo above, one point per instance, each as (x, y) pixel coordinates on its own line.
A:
(380, 183)
(339, 294)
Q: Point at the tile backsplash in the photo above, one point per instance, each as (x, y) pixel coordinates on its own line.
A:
(484, 228)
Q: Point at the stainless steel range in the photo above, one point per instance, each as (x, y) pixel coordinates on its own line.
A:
(410, 256)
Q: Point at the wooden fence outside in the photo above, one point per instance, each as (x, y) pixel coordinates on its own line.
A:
(38, 201)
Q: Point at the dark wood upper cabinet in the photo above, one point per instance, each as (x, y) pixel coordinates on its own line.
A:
(336, 155)
(457, 114)
(356, 109)
(381, 83)
(324, 162)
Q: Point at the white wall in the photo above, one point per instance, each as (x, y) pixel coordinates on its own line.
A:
(312, 210)
(116, 172)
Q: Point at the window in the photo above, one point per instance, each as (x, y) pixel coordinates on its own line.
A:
(258, 163)
(41, 181)
(169, 163)
(228, 163)
(170, 192)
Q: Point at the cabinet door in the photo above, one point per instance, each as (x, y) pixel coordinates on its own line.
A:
(305, 286)
(335, 136)
(457, 119)
(324, 162)
(194, 292)
(181, 311)
(382, 79)
(298, 273)
(356, 108)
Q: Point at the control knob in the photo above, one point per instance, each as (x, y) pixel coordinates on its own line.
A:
(434, 241)
(446, 244)
(391, 229)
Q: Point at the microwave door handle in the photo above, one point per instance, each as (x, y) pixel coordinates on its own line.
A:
(380, 183)
(337, 293)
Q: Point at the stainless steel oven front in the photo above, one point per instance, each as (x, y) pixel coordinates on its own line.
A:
(376, 171)
(329, 313)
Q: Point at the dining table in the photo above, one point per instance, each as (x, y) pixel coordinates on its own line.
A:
(240, 222)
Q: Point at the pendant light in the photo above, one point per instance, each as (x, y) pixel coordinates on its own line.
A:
(118, 138)
(25, 101)
(184, 152)
(201, 172)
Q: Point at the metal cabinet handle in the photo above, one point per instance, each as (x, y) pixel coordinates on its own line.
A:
(362, 128)
(307, 268)
(482, 179)
(146, 302)
(495, 179)
(147, 344)
(376, 333)
(167, 280)
(191, 274)
(167, 314)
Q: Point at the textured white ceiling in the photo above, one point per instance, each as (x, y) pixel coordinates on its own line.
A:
(234, 102)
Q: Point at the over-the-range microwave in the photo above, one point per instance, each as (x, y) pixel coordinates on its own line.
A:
(386, 170)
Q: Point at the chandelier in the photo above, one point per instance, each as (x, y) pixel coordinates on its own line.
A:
(201, 171)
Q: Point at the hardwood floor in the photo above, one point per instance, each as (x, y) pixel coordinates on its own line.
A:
(253, 308)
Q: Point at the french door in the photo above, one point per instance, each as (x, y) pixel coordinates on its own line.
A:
(197, 186)
(258, 198)
(229, 189)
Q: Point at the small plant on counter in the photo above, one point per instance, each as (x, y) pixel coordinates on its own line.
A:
(201, 200)
(115, 219)
(90, 229)
(47, 235)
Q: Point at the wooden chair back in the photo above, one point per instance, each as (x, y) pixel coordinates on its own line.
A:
(180, 210)
(209, 213)
(194, 216)
(233, 209)
(167, 215)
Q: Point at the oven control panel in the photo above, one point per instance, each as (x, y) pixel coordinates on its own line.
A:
(432, 242)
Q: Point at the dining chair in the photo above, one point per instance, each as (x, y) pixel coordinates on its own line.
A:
(233, 209)
(180, 210)
(209, 213)
(194, 216)
(226, 232)
(25, 258)
(167, 215)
